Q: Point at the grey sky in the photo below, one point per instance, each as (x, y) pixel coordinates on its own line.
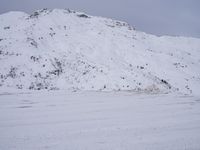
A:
(160, 17)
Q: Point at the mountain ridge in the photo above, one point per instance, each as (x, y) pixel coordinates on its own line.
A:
(64, 49)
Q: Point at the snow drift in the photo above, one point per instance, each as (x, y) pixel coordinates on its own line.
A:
(64, 49)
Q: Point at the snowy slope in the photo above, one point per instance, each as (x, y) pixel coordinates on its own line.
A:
(63, 49)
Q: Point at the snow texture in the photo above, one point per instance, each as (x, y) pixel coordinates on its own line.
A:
(98, 121)
(68, 50)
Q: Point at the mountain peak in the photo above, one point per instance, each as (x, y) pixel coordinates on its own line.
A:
(64, 49)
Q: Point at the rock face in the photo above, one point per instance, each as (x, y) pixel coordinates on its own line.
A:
(64, 49)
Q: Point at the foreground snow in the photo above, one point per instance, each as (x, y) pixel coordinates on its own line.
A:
(94, 121)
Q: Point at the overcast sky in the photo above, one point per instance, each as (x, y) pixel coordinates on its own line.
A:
(160, 17)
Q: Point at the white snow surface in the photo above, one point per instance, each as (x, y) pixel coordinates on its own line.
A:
(68, 50)
(60, 120)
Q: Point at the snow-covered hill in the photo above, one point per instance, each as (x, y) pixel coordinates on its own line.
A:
(63, 49)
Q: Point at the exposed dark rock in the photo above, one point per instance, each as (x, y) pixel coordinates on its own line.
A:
(6, 28)
(83, 16)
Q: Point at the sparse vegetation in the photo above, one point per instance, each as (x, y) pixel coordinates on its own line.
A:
(32, 42)
(34, 15)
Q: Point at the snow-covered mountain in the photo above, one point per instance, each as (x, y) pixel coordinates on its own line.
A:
(64, 49)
